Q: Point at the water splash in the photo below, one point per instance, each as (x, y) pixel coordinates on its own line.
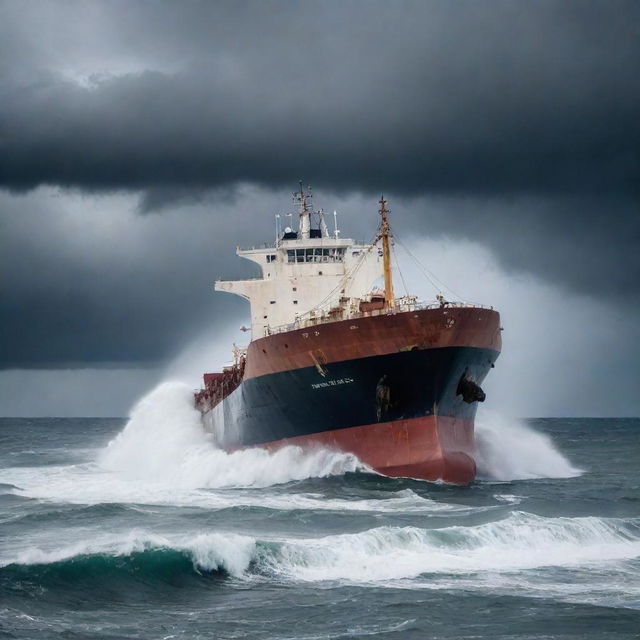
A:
(164, 442)
(508, 449)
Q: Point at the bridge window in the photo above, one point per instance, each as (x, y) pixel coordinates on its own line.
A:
(271, 258)
(316, 254)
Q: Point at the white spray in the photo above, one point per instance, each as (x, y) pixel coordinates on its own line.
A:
(508, 449)
(164, 442)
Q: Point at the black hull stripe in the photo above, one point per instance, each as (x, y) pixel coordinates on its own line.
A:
(346, 394)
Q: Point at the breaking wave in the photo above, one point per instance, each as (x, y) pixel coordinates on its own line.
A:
(164, 441)
(508, 449)
(519, 542)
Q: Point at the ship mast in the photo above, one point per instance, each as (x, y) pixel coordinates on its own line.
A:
(301, 197)
(389, 298)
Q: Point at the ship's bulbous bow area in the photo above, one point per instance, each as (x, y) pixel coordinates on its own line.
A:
(429, 448)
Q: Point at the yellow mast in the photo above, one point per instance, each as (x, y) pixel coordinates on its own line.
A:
(389, 298)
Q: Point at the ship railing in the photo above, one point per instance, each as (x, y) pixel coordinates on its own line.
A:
(315, 241)
(401, 307)
(257, 247)
(243, 280)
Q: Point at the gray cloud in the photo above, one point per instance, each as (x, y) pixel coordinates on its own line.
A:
(484, 98)
(585, 243)
(513, 124)
(88, 280)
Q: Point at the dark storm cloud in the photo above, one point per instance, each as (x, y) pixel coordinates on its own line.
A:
(422, 97)
(515, 124)
(587, 244)
(120, 288)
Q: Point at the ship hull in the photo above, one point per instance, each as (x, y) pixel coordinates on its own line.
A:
(428, 448)
(386, 390)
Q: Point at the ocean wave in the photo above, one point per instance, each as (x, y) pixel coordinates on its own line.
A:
(153, 565)
(138, 551)
(519, 542)
(508, 498)
(395, 502)
(69, 513)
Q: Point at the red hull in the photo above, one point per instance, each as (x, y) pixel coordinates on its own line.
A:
(427, 448)
(373, 336)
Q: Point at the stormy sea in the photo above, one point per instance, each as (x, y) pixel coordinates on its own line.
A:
(141, 528)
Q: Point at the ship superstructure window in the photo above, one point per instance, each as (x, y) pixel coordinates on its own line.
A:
(316, 254)
(271, 258)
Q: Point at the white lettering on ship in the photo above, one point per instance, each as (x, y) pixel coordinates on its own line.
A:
(332, 383)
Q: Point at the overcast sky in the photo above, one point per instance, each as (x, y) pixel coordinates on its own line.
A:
(140, 142)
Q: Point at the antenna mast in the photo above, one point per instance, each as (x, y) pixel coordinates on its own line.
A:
(389, 298)
(301, 198)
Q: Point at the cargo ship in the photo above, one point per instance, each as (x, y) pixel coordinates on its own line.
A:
(338, 361)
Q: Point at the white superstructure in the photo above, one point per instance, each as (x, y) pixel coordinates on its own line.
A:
(307, 274)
